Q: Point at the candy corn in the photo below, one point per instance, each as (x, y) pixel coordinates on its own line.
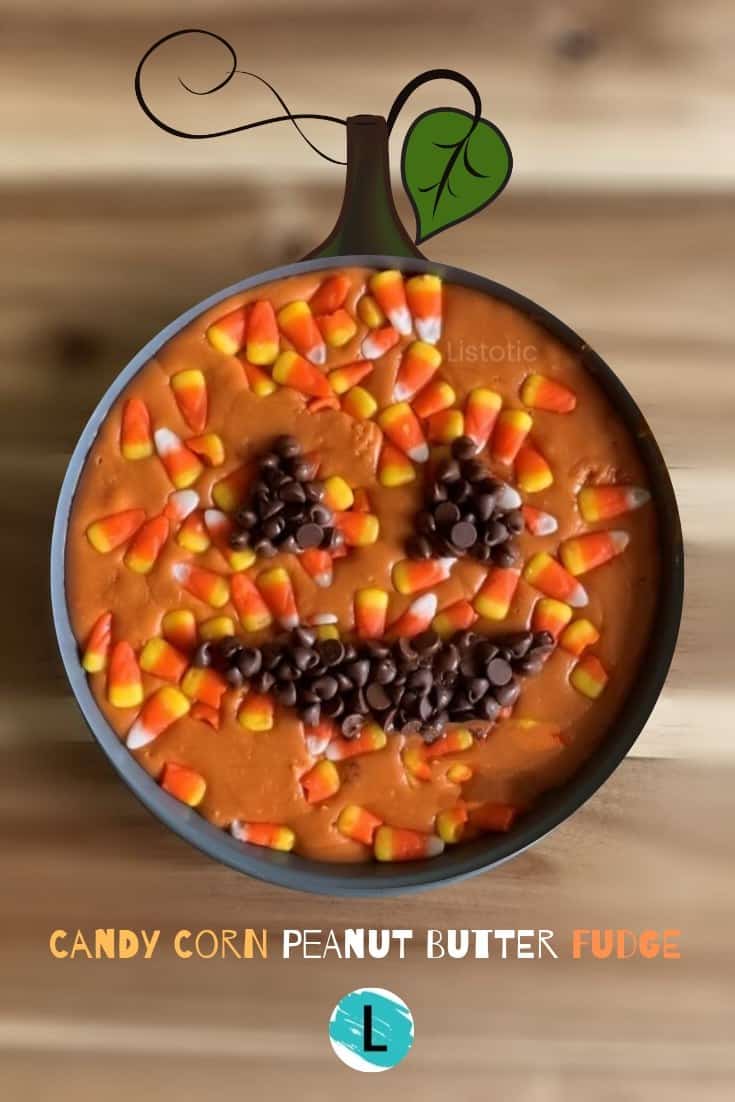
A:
(110, 532)
(358, 529)
(445, 426)
(511, 429)
(321, 782)
(388, 290)
(261, 347)
(415, 763)
(136, 441)
(183, 783)
(459, 773)
(532, 472)
(417, 617)
(359, 403)
(605, 502)
(180, 504)
(124, 684)
(159, 712)
(358, 824)
(205, 714)
(546, 574)
(378, 342)
(256, 712)
(400, 425)
(480, 414)
(345, 378)
(450, 823)
(540, 392)
(218, 627)
(412, 575)
(146, 545)
(203, 584)
(434, 398)
(394, 468)
(208, 447)
(419, 364)
(550, 615)
(424, 297)
(182, 466)
(318, 738)
(338, 493)
(583, 553)
(371, 607)
(204, 685)
(270, 835)
(578, 636)
(337, 328)
(496, 593)
(192, 535)
(400, 844)
(372, 737)
(370, 313)
(538, 522)
(258, 380)
(190, 392)
(277, 592)
(454, 742)
(297, 322)
(220, 528)
(589, 677)
(227, 334)
(318, 565)
(291, 369)
(179, 627)
(330, 294)
(493, 817)
(456, 617)
(230, 492)
(162, 660)
(250, 606)
(97, 648)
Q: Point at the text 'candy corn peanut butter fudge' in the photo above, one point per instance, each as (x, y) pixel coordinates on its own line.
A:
(360, 564)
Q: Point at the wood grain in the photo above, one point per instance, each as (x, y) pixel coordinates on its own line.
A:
(619, 219)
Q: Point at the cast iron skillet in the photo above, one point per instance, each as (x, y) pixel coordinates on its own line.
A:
(367, 222)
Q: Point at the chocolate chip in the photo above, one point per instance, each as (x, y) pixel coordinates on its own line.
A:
(249, 661)
(474, 470)
(234, 678)
(287, 447)
(352, 725)
(464, 447)
(331, 651)
(506, 695)
(447, 514)
(448, 471)
(309, 535)
(419, 547)
(325, 687)
(311, 715)
(377, 697)
(463, 535)
(499, 671)
(358, 672)
(427, 642)
(333, 708)
(286, 694)
(203, 655)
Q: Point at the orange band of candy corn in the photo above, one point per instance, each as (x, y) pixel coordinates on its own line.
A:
(511, 429)
(388, 290)
(330, 295)
(269, 835)
(162, 660)
(296, 322)
(256, 712)
(159, 712)
(493, 599)
(358, 824)
(540, 392)
(124, 683)
(190, 392)
(434, 398)
(480, 414)
(181, 464)
(416, 618)
(371, 738)
(261, 347)
(394, 467)
(605, 502)
(424, 297)
(183, 783)
(371, 607)
(179, 627)
(208, 447)
(251, 608)
(398, 844)
(321, 782)
(579, 635)
(276, 590)
(532, 472)
(97, 648)
(111, 532)
(401, 426)
(583, 553)
(455, 617)
(589, 677)
(204, 584)
(136, 438)
(549, 576)
(231, 491)
(410, 576)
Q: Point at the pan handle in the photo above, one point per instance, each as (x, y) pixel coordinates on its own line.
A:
(368, 222)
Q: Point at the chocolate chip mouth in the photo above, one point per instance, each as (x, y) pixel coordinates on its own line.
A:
(408, 686)
(468, 512)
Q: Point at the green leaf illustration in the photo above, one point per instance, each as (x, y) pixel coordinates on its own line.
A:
(452, 166)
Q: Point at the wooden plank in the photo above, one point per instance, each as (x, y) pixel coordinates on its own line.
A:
(598, 80)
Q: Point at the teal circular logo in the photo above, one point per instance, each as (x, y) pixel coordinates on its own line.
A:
(371, 1029)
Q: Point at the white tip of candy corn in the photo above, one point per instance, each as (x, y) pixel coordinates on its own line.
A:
(434, 846)
(181, 572)
(447, 564)
(400, 319)
(420, 454)
(578, 597)
(166, 441)
(424, 607)
(401, 392)
(429, 329)
(323, 580)
(619, 540)
(637, 496)
(546, 524)
(214, 519)
(318, 355)
(237, 830)
(181, 503)
(316, 744)
(509, 498)
(138, 736)
(323, 618)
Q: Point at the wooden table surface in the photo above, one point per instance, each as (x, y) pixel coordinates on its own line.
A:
(620, 220)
